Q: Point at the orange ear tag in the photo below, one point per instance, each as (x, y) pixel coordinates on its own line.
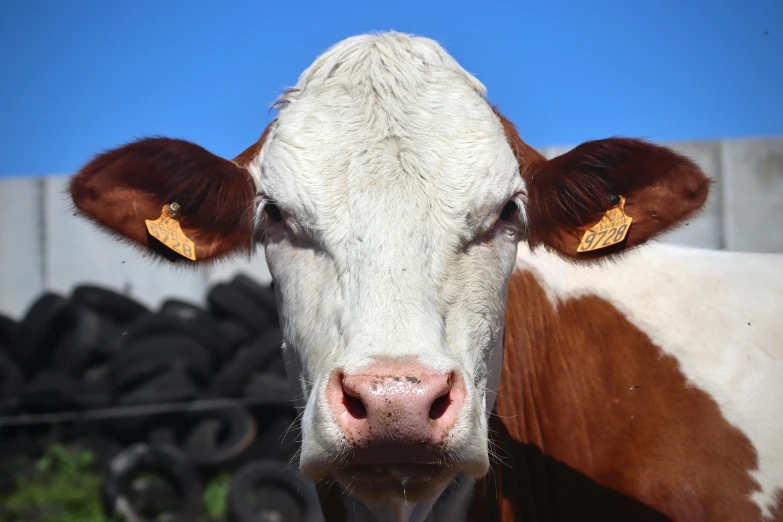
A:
(612, 229)
(166, 229)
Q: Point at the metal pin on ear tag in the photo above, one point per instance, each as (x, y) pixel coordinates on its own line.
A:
(173, 210)
(614, 199)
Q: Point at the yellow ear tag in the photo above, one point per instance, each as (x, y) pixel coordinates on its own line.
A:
(166, 229)
(612, 229)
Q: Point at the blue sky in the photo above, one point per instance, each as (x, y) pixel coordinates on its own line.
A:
(84, 75)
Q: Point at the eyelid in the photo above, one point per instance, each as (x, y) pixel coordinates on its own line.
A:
(273, 212)
(519, 199)
(262, 200)
(514, 209)
(289, 224)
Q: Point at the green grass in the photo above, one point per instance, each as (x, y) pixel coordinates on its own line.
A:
(216, 496)
(60, 487)
(63, 486)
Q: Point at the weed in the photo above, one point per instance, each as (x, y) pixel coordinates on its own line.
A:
(62, 486)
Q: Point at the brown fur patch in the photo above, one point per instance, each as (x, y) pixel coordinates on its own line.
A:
(595, 422)
(247, 155)
(121, 188)
(570, 193)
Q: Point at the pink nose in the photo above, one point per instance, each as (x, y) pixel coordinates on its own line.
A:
(395, 403)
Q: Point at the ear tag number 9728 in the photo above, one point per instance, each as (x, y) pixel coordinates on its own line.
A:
(612, 229)
(167, 230)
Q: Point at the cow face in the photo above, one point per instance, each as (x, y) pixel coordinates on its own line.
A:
(389, 198)
(390, 226)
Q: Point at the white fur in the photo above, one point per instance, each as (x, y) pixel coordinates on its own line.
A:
(391, 169)
(720, 314)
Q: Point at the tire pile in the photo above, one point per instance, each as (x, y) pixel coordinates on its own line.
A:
(185, 391)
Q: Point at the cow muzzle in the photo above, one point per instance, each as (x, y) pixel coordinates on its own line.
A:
(395, 419)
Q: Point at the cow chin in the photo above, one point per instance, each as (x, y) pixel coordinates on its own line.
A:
(411, 473)
(402, 482)
(399, 474)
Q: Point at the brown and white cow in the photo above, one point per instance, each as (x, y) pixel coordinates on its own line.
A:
(411, 233)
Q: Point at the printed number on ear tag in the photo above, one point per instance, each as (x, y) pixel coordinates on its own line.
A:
(612, 229)
(167, 231)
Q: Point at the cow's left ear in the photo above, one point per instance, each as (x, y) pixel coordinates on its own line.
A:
(573, 195)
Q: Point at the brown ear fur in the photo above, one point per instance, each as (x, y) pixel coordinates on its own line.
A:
(244, 158)
(570, 193)
(121, 188)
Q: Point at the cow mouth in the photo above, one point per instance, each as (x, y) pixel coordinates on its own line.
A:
(408, 482)
(401, 472)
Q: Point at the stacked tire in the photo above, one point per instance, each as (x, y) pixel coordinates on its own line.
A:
(185, 391)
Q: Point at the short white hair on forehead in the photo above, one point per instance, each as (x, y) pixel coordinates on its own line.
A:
(400, 55)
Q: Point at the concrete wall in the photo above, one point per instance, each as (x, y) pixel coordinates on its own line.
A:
(43, 246)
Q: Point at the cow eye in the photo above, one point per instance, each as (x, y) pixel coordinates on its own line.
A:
(272, 213)
(509, 211)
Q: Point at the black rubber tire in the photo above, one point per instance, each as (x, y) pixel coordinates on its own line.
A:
(202, 329)
(203, 444)
(49, 317)
(271, 388)
(147, 357)
(170, 386)
(278, 435)
(96, 372)
(226, 302)
(181, 309)
(157, 495)
(276, 366)
(113, 305)
(166, 460)
(7, 331)
(263, 296)
(231, 380)
(164, 433)
(103, 448)
(51, 390)
(233, 335)
(92, 394)
(282, 489)
(79, 347)
(48, 391)
(11, 385)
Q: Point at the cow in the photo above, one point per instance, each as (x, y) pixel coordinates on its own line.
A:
(477, 332)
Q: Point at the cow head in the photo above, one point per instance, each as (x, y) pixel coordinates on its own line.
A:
(389, 198)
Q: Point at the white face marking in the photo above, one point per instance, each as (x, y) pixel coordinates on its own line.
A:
(688, 302)
(391, 170)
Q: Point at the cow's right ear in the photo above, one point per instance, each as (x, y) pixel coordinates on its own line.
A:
(124, 188)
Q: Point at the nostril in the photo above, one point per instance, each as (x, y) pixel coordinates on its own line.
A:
(440, 405)
(354, 405)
